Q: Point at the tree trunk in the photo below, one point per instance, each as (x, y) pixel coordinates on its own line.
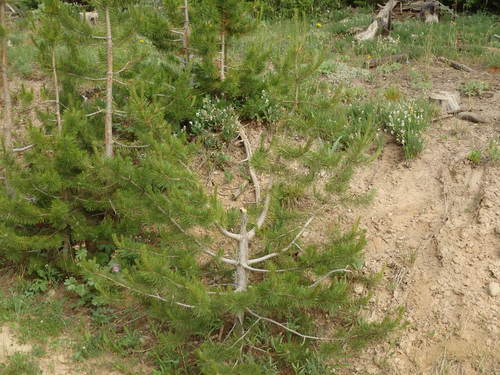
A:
(56, 89)
(7, 111)
(381, 23)
(241, 272)
(186, 32)
(223, 55)
(108, 121)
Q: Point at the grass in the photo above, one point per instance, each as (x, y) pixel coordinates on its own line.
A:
(20, 364)
(36, 319)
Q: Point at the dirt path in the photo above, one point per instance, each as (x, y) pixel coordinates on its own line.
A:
(434, 231)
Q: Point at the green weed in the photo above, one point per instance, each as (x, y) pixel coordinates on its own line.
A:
(473, 88)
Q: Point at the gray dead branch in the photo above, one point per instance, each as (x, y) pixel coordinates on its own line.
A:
(456, 64)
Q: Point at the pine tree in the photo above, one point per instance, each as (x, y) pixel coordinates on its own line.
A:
(106, 36)
(249, 303)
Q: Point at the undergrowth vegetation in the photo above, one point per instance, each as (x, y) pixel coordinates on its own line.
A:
(111, 204)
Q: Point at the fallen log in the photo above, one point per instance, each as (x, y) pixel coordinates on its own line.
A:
(382, 23)
(471, 117)
(456, 65)
(402, 57)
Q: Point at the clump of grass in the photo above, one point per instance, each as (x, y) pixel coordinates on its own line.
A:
(475, 156)
(393, 94)
(20, 364)
(473, 88)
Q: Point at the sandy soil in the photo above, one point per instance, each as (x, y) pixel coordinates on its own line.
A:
(434, 232)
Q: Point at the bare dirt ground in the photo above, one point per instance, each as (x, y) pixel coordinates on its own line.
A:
(434, 231)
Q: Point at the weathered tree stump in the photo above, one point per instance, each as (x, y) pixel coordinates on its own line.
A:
(449, 102)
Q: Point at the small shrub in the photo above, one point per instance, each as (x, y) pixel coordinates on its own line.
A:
(473, 88)
(389, 68)
(475, 156)
(406, 121)
(214, 122)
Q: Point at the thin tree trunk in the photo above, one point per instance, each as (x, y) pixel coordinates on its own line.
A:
(241, 272)
(56, 89)
(223, 55)
(186, 32)
(108, 121)
(7, 111)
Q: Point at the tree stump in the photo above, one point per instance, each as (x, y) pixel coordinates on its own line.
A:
(449, 102)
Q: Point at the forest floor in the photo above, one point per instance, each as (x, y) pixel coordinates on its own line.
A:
(433, 231)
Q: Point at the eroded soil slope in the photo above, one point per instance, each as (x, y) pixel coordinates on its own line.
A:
(434, 230)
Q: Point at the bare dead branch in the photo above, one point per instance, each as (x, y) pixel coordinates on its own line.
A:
(95, 113)
(456, 64)
(229, 234)
(86, 78)
(248, 150)
(262, 217)
(22, 149)
(328, 275)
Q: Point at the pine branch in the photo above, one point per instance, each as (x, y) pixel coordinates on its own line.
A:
(275, 254)
(203, 248)
(129, 146)
(289, 329)
(155, 296)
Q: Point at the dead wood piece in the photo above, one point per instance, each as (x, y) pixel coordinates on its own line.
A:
(455, 64)
(381, 23)
(471, 117)
(449, 102)
(431, 17)
(402, 57)
(496, 36)
(354, 30)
